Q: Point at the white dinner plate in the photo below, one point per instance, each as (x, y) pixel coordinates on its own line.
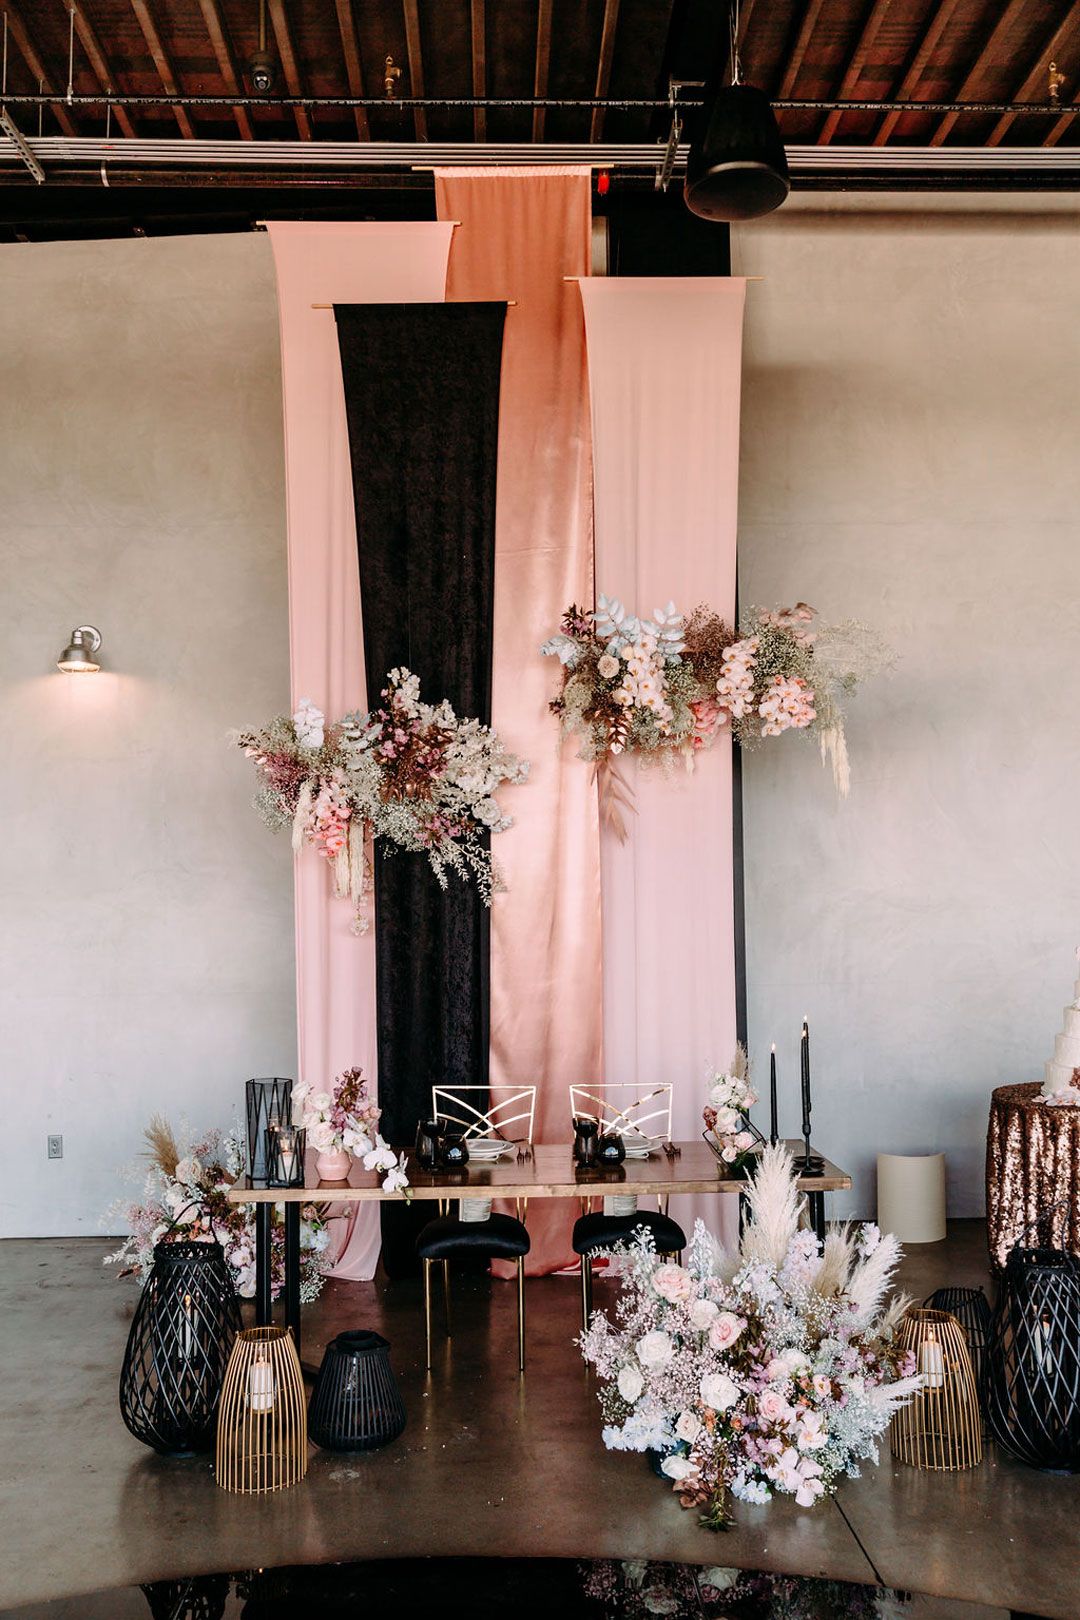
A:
(487, 1149)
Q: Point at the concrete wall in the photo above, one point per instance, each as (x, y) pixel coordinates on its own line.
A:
(146, 954)
(910, 459)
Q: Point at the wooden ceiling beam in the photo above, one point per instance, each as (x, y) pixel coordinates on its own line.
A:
(99, 64)
(350, 46)
(1036, 85)
(143, 10)
(812, 10)
(543, 65)
(230, 73)
(290, 65)
(479, 68)
(416, 64)
(32, 57)
(991, 46)
(928, 44)
(855, 64)
(603, 66)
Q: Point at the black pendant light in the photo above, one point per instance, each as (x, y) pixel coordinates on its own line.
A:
(736, 168)
(174, 1365)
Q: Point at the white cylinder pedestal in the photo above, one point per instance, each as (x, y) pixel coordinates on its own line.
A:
(911, 1196)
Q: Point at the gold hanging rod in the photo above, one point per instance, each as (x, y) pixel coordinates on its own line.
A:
(694, 278)
(511, 303)
(263, 224)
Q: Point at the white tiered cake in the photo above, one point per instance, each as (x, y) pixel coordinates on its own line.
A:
(1060, 1077)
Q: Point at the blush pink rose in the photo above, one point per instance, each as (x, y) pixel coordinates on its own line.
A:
(772, 1407)
(673, 1283)
(725, 1330)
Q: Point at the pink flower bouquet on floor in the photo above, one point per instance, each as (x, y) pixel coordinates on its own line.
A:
(770, 1371)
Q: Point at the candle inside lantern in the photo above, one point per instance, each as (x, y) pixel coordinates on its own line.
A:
(773, 1131)
(932, 1363)
(261, 1390)
(188, 1336)
(287, 1154)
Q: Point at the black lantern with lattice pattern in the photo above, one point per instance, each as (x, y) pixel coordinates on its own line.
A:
(356, 1404)
(178, 1347)
(1033, 1360)
(971, 1308)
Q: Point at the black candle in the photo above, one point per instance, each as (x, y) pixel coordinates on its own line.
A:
(773, 1133)
(806, 1079)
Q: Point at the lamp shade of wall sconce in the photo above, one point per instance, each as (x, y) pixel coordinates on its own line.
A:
(79, 657)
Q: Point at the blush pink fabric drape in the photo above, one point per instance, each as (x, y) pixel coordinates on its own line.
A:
(664, 375)
(326, 264)
(522, 231)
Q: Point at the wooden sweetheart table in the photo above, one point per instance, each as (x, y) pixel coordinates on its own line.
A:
(549, 1173)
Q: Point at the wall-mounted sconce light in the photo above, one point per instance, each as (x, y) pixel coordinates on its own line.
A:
(79, 656)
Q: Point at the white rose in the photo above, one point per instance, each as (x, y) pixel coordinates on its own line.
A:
(631, 1384)
(718, 1391)
(677, 1467)
(718, 1577)
(321, 1136)
(727, 1120)
(322, 1102)
(702, 1314)
(688, 1427)
(655, 1349)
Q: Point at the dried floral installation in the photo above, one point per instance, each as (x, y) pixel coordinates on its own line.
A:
(666, 687)
(773, 1370)
(408, 772)
(184, 1200)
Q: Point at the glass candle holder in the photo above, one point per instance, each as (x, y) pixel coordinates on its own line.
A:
(285, 1156)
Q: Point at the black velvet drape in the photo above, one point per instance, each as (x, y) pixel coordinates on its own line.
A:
(422, 400)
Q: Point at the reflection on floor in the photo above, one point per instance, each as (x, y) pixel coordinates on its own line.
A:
(489, 1467)
(532, 1589)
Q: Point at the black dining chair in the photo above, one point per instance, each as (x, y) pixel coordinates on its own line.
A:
(504, 1123)
(629, 1111)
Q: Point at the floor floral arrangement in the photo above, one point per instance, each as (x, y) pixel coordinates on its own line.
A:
(183, 1198)
(409, 773)
(637, 1588)
(666, 687)
(770, 1371)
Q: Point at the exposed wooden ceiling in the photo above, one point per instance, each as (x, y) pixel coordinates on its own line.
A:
(878, 51)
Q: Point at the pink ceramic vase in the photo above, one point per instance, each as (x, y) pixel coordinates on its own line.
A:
(334, 1165)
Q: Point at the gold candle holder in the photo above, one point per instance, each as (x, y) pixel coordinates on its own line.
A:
(262, 1420)
(941, 1428)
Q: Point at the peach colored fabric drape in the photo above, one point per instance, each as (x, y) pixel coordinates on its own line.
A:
(326, 264)
(522, 231)
(664, 374)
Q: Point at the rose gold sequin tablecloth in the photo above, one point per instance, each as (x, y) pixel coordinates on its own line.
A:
(1032, 1163)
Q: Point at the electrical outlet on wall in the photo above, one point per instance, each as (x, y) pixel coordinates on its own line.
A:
(55, 1147)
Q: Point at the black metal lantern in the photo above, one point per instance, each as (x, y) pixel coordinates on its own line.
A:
(971, 1308)
(1033, 1360)
(181, 1335)
(201, 1597)
(269, 1103)
(736, 168)
(285, 1156)
(356, 1404)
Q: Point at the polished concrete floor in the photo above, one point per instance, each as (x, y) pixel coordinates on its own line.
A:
(489, 1466)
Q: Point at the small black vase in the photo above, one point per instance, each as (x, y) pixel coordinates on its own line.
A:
(356, 1404)
(428, 1140)
(611, 1149)
(453, 1153)
(586, 1141)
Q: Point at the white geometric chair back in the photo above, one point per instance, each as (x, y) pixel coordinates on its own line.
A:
(625, 1107)
(510, 1111)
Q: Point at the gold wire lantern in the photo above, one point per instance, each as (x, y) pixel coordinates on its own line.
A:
(940, 1429)
(262, 1420)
